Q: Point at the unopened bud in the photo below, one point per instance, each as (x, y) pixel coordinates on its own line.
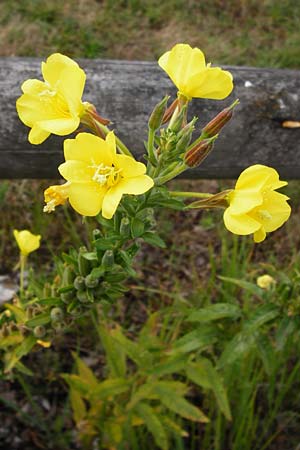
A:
(67, 297)
(79, 283)
(169, 112)
(108, 259)
(91, 282)
(68, 276)
(96, 234)
(57, 314)
(82, 297)
(125, 226)
(199, 152)
(185, 138)
(157, 114)
(39, 331)
(83, 263)
(180, 120)
(218, 122)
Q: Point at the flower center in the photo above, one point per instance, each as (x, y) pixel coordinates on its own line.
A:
(51, 97)
(263, 214)
(105, 175)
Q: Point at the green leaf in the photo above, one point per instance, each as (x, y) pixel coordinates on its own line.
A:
(78, 406)
(215, 312)
(109, 388)
(134, 351)
(114, 353)
(107, 243)
(237, 348)
(19, 313)
(137, 227)
(76, 383)
(195, 340)
(153, 424)
(203, 373)
(20, 351)
(251, 287)
(97, 272)
(267, 353)
(178, 404)
(173, 364)
(23, 369)
(261, 315)
(49, 301)
(85, 372)
(90, 256)
(41, 319)
(11, 340)
(126, 263)
(154, 239)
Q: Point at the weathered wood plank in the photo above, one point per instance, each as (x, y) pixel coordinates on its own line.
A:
(126, 92)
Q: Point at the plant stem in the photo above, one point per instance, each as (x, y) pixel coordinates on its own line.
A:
(190, 194)
(151, 154)
(179, 169)
(22, 269)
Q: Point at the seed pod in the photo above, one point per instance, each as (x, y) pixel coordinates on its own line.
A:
(57, 314)
(108, 259)
(79, 283)
(39, 331)
(91, 282)
(218, 122)
(199, 152)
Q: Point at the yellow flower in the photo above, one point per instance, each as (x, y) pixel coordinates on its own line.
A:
(187, 69)
(55, 195)
(27, 241)
(254, 206)
(265, 282)
(97, 176)
(53, 106)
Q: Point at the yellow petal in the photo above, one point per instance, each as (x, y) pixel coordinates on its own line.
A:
(60, 126)
(45, 344)
(130, 167)
(71, 86)
(27, 241)
(86, 198)
(31, 109)
(76, 171)
(242, 201)
(111, 201)
(33, 86)
(258, 177)
(111, 142)
(53, 67)
(213, 83)
(37, 135)
(135, 185)
(242, 224)
(259, 235)
(274, 211)
(182, 63)
(89, 148)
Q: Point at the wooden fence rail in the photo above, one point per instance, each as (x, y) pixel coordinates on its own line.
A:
(126, 92)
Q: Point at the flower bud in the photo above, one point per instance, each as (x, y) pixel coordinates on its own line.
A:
(218, 122)
(180, 120)
(169, 112)
(108, 259)
(96, 234)
(157, 114)
(39, 331)
(67, 297)
(199, 152)
(57, 314)
(82, 297)
(185, 137)
(68, 276)
(265, 282)
(91, 282)
(79, 283)
(125, 226)
(83, 264)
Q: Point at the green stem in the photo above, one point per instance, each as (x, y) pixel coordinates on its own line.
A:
(121, 146)
(189, 194)
(22, 270)
(151, 153)
(178, 170)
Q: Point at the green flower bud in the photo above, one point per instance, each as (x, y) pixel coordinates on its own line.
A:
(179, 121)
(39, 331)
(79, 283)
(125, 226)
(96, 234)
(68, 276)
(83, 264)
(157, 114)
(91, 282)
(67, 297)
(108, 259)
(82, 297)
(57, 314)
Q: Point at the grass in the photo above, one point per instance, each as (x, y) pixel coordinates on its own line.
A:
(258, 33)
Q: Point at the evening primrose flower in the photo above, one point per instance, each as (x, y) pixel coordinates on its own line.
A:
(54, 105)
(27, 241)
(97, 176)
(265, 282)
(254, 206)
(192, 76)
